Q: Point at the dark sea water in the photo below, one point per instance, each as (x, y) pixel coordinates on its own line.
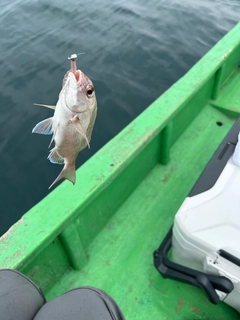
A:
(135, 50)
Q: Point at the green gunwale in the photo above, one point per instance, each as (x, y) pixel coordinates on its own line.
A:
(102, 231)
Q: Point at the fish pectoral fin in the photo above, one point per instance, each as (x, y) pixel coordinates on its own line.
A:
(45, 105)
(53, 136)
(44, 127)
(51, 140)
(54, 157)
(77, 124)
(68, 172)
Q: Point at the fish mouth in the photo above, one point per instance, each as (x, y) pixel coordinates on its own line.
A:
(81, 79)
(76, 82)
(77, 75)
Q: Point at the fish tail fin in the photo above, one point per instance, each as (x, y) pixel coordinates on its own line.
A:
(68, 172)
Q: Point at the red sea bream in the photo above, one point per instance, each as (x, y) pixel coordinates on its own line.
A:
(72, 122)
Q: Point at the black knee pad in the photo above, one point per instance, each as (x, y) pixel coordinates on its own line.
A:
(81, 304)
(20, 298)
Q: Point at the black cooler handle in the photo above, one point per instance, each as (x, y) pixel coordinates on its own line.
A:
(168, 269)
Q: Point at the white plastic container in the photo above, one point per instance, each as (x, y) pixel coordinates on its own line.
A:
(207, 223)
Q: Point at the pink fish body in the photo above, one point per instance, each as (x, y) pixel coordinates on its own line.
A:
(72, 122)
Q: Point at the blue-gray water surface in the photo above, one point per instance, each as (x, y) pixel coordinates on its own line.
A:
(135, 50)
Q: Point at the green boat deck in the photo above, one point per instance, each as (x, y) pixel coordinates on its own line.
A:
(123, 265)
(103, 231)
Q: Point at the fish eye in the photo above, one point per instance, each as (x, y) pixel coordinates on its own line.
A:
(89, 91)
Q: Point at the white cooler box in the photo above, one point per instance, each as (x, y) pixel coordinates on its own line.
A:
(206, 231)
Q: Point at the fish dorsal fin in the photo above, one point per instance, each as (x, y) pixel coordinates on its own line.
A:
(77, 124)
(44, 127)
(54, 157)
(45, 105)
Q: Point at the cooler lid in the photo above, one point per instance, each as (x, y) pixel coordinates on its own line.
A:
(213, 217)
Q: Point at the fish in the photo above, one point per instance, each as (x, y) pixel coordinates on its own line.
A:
(72, 123)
